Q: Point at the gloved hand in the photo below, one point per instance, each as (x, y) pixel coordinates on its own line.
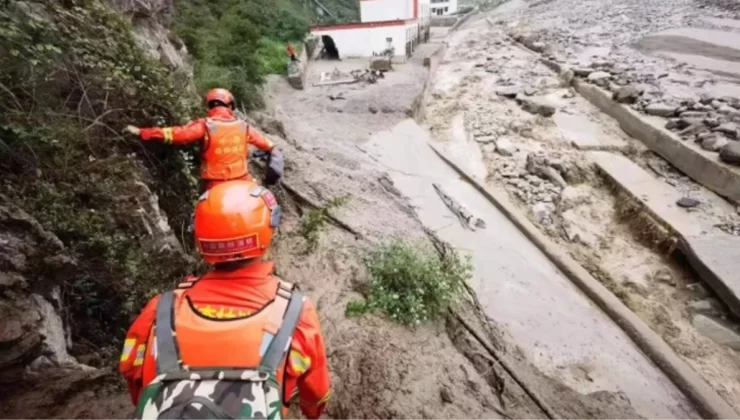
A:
(275, 167)
(132, 130)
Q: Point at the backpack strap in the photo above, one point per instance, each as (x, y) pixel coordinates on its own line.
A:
(285, 312)
(168, 355)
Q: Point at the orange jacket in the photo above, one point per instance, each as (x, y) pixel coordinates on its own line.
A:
(197, 130)
(291, 50)
(238, 293)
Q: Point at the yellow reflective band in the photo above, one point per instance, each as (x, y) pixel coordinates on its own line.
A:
(140, 355)
(299, 362)
(167, 135)
(128, 345)
(325, 399)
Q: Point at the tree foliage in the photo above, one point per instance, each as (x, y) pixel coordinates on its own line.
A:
(235, 42)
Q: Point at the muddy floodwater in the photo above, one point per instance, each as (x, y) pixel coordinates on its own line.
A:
(557, 327)
(714, 50)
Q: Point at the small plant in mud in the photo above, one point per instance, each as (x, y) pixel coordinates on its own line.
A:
(410, 283)
(314, 221)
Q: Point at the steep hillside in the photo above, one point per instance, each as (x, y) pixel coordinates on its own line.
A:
(90, 221)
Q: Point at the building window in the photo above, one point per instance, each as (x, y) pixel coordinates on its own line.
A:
(446, 9)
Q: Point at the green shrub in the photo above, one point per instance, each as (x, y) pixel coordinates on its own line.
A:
(411, 283)
(273, 57)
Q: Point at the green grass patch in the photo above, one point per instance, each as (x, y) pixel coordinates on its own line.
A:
(314, 221)
(410, 283)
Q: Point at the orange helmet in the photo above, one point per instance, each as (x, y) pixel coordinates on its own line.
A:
(220, 95)
(235, 220)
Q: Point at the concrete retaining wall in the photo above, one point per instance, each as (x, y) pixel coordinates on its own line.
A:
(702, 166)
(463, 19)
(432, 62)
(686, 379)
(444, 20)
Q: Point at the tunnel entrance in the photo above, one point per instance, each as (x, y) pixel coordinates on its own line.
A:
(329, 51)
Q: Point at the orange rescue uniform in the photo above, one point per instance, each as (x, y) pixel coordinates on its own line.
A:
(224, 141)
(238, 294)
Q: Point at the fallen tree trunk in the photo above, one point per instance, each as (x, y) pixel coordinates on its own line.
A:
(466, 218)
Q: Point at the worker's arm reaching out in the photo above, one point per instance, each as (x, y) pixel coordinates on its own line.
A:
(180, 135)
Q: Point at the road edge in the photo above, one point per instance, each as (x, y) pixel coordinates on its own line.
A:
(709, 403)
(713, 174)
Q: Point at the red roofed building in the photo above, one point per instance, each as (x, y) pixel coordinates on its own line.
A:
(400, 24)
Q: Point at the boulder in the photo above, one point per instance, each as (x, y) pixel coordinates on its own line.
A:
(508, 91)
(598, 75)
(713, 142)
(717, 330)
(295, 74)
(731, 129)
(688, 202)
(381, 63)
(627, 94)
(536, 105)
(582, 71)
(730, 153)
(661, 109)
(505, 147)
(543, 213)
(709, 306)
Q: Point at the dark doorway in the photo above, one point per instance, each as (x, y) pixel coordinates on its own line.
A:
(329, 51)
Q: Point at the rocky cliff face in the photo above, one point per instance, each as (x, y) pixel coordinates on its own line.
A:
(98, 242)
(151, 20)
(33, 268)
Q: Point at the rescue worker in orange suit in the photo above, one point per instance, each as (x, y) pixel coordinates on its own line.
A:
(234, 224)
(224, 142)
(291, 52)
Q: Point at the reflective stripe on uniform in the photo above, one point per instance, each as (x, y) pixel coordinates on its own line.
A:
(140, 352)
(299, 362)
(128, 346)
(167, 135)
(325, 399)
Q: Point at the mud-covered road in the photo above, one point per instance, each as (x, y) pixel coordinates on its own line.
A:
(498, 110)
(535, 149)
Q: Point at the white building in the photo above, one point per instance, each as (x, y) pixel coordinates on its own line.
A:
(400, 24)
(443, 7)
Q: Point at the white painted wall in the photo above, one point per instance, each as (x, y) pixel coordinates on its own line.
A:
(383, 10)
(425, 13)
(362, 42)
(439, 5)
